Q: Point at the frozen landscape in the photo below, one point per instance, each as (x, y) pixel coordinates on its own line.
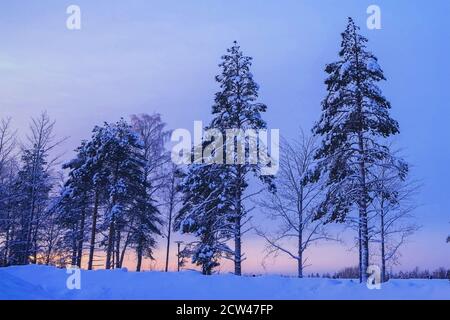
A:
(293, 151)
(41, 282)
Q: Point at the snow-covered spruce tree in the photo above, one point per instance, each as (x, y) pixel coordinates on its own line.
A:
(81, 199)
(144, 221)
(128, 206)
(94, 166)
(236, 107)
(68, 220)
(205, 212)
(355, 120)
(107, 184)
(121, 162)
(75, 203)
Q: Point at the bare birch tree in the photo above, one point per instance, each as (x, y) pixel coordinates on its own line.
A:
(157, 172)
(171, 199)
(293, 205)
(8, 170)
(393, 208)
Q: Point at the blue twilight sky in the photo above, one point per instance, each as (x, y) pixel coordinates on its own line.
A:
(161, 56)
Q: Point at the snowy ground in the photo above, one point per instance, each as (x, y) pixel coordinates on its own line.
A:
(40, 282)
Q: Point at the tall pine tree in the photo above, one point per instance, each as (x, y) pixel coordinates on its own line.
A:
(355, 120)
(236, 108)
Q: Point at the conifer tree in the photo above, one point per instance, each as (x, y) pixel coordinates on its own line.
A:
(121, 163)
(145, 222)
(236, 108)
(206, 212)
(355, 122)
(75, 203)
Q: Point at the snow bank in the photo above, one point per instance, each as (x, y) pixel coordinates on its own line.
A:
(41, 282)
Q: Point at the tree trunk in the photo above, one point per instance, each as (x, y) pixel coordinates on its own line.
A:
(300, 235)
(29, 231)
(35, 244)
(359, 252)
(81, 238)
(300, 264)
(8, 227)
(124, 249)
(93, 232)
(109, 250)
(237, 247)
(117, 251)
(139, 258)
(169, 232)
(26, 245)
(48, 255)
(383, 253)
(11, 255)
(363, 223)
(74, 250)
(237, 231)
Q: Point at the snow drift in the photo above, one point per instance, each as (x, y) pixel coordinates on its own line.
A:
(42, 282)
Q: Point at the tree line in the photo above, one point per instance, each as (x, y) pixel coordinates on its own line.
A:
(121, 192)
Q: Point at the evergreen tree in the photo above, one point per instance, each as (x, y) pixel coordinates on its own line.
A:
(206, 212)
(145, 223)
(355, 120)
(95, 166)
(121, 163)
(236, 107)
(68, 221)
(107, 184)
(76, 202)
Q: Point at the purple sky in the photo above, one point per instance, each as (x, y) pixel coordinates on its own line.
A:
(162, 56)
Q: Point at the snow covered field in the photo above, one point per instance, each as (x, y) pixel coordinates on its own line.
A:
(40, 282)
